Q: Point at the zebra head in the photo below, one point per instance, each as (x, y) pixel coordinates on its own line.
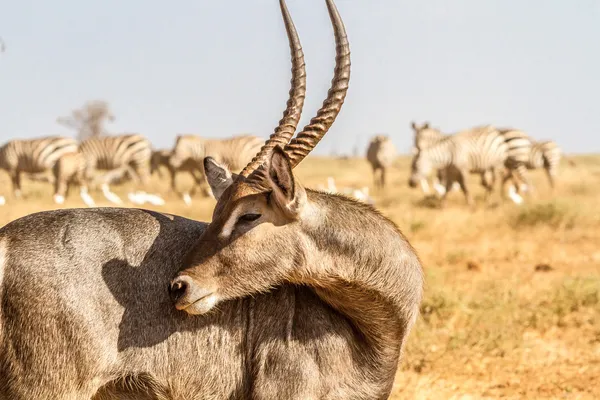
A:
(425, 136)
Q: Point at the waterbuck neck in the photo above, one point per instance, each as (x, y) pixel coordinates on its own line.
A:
(361, 264)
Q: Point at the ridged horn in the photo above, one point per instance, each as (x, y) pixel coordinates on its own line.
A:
(305, 141)
(287, 125)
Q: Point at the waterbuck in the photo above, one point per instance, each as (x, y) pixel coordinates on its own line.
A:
(303, 295)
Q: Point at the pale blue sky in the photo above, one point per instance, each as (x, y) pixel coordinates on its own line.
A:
(219, 68)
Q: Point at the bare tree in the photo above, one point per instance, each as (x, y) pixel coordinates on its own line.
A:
(89, 120)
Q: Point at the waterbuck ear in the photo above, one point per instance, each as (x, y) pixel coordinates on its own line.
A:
(413, 125)
(426, 125)
(281, 179)
(218, 177)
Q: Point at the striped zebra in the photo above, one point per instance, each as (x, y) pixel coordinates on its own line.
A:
(518, 149)
(545, 154)
(71, 169)
(112, 157)
(381, 153)
(190, 150)
(482, 150)
(425, 136)
(33, 156)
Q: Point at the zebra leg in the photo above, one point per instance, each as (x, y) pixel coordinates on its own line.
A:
(16, 182)
(60, 190)
(488, 180)
(551, 174)
(461, 179)
(85, 196)
(375, 181)
(521, 174)
(199, 185)
(439, 182)
(448, 183)
(514, 196)
(187, 199)
(507, 176)
(110, 196)
(425, 186)
(203, 185)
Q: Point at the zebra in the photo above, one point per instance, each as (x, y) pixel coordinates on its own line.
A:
(33, 156)
(115, 156)
(381, 153)
(482, 150)
(161, 158)
(518, 148)
(545, 154)
(425, 136)
(71, 169)
(190, 150)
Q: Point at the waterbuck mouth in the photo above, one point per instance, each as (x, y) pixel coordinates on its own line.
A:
(199, 306)
(189, 297)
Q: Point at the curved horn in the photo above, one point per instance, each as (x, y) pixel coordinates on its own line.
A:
(305, 141)
(287, 125)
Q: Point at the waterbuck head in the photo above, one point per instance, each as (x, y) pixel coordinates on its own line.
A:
(255, 237)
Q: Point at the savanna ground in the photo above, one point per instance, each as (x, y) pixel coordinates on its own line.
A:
(512, 300)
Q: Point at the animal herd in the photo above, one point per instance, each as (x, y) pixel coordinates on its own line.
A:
(439, 160)
(100, 161)
(495, 154)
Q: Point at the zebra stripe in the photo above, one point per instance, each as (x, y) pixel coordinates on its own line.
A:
(107, 153)
(518, 147)
(426, 136)
(479, 150)
(190, 150)
(33, 156)
(545, 154)
(235, 152)
(116, 156)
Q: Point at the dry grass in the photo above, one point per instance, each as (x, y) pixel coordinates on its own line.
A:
(512, 304)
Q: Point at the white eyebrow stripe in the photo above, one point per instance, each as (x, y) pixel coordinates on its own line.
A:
(230, 224)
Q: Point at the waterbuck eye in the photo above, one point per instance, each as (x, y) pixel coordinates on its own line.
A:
(249, 217)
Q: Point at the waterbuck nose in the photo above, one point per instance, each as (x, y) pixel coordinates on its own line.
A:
(179, 287)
